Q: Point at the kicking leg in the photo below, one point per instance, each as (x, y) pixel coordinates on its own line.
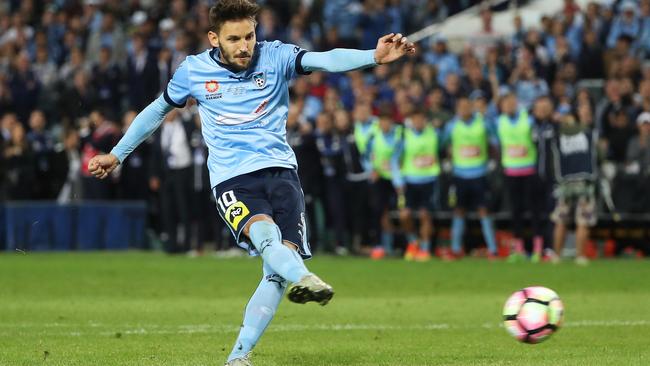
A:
(283, 259)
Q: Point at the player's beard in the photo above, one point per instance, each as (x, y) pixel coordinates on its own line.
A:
(235, 61)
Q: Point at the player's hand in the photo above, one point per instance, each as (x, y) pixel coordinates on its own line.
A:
(102, 165)
(391, 47)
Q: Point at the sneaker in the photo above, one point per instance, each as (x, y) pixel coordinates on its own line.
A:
(449, 256)
(377, 253)
(422, 256)
(411, 251)
(582, 261)
(536, 258)
(551, 256)
(516, 257)
(241, 361)
(310, 288)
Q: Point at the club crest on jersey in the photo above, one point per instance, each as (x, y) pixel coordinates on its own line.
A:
(260, 79)
(211, 86)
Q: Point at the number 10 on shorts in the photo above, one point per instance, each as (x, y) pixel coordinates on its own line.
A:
(233, 210)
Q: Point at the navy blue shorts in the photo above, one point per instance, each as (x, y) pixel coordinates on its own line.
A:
(420, 196)
(471, 193)
(275, 192)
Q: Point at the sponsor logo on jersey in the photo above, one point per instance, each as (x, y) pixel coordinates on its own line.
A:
(261, 107)
(211, 86)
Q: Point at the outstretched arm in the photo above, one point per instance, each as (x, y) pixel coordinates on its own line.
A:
(144, 124)
(389, 48)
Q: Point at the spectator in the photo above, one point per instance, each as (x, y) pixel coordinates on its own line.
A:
(486, 37)
(78, 100)
(437, 114)
(618, 134)
(268, 27)
(374, 23)
(638, 165)
(142, 74)
(24, 86)
(44, 69)
(110, 36)
(171, 163)
(330, 148)
(300, 136)
(575, 159)
(527, 85)
(106, 79)
(19, 165)
(134, 174)
(66, 167)
(42, 147)
(544, 133)
(625, 24)
(643, 41)
(590, 60)
(356, 183)
(444, 61)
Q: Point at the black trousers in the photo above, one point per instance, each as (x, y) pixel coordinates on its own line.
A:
(357, 206)
(337, 214)
(176, 196)
(522, 199)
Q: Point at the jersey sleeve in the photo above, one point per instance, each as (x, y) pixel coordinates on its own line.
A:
(178, 88)
(288, 58)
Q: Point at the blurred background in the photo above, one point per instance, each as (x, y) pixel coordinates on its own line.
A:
(74, 74)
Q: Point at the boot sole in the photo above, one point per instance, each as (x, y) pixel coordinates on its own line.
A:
(302, 295)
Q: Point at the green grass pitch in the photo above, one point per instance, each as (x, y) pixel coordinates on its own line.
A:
(151, 309)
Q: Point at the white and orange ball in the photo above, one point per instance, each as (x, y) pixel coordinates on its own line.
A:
(533, 314)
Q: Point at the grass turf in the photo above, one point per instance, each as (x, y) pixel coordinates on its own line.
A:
(151, 309)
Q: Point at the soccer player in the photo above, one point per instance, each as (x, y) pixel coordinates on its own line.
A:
(416, 179)
(518, 158)
(380, 149)
(240, 86)
(469, 135)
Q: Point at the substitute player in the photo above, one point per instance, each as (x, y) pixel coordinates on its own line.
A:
(416, 178)
(241, 88)
(380, 150)
(469, 135)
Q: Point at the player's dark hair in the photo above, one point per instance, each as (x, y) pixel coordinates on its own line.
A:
(225, 10)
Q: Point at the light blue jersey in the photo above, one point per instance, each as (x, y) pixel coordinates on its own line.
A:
(243, 114)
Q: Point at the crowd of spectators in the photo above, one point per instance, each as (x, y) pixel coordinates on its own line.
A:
(73, 75)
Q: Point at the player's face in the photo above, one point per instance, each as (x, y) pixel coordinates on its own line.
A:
(236, 41)
(419, 121)
(464, 109)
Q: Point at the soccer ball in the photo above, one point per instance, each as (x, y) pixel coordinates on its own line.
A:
(532, 314)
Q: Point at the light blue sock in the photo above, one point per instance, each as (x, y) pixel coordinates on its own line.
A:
(259, 312)
(412, 238)
(457, 230)
(387, 242)
(286, 262)
(488, 234)
(425, 245)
